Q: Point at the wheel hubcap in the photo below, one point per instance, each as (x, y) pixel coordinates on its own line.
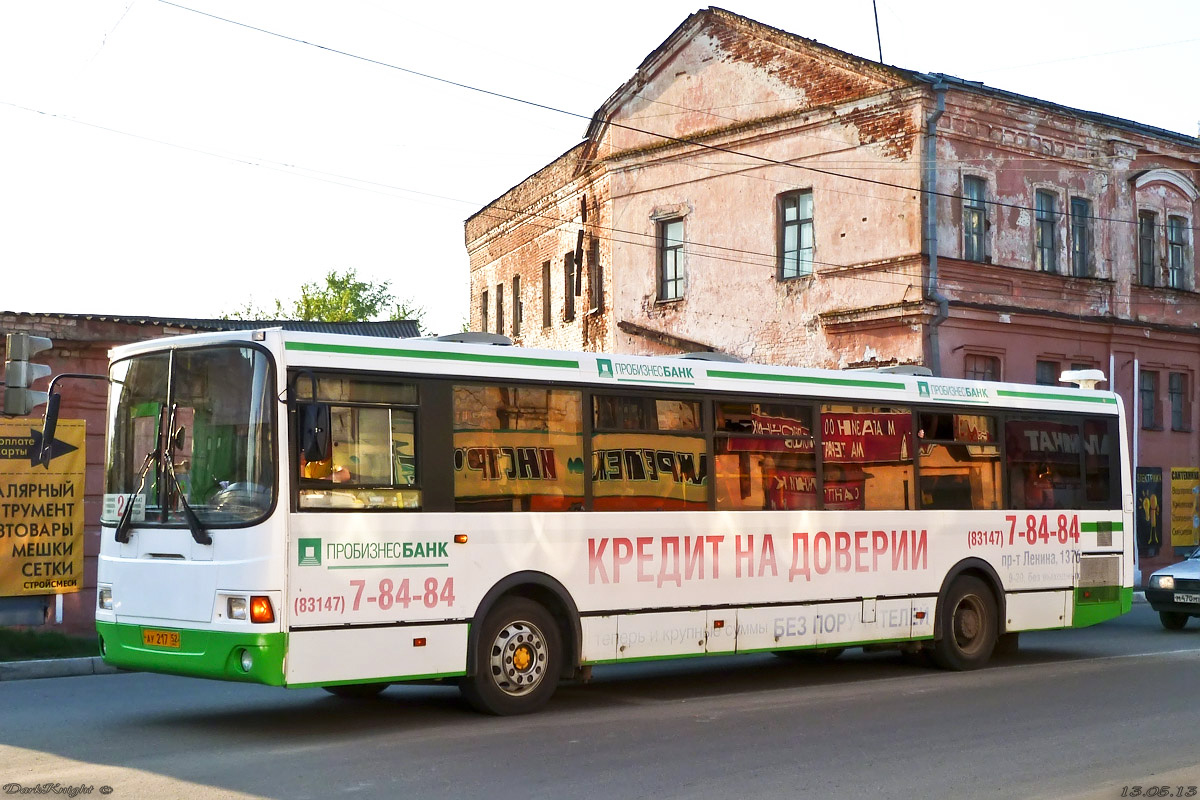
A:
(518, 658)
(968, 623)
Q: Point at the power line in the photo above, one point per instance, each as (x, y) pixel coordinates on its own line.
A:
(546, 221)
(610, 123)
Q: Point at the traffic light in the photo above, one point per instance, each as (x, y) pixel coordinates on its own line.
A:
(19, 373)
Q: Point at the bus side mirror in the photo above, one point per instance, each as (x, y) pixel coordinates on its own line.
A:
(315, 443)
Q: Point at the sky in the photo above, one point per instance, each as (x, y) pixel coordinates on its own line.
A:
(159, 162)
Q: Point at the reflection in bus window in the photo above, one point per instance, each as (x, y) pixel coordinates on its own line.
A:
(867, 453)
(765, 458)
(1101, 470)
(624, 413)
(642, 465)
(959, 461)
(517, 448)
(1043, 457)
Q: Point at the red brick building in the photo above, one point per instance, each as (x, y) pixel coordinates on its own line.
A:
(758, 193)
(81, 345)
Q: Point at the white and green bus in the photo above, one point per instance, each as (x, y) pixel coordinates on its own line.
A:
(310, 510)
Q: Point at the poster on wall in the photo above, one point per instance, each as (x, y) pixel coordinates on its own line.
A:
(1148, 510)
(1185, 506)
(41, 509)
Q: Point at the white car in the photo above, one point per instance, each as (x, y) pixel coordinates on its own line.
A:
(1174, 592)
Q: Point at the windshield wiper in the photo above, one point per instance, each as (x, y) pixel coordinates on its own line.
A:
(163, 457)
(174, 442)
(126, 520)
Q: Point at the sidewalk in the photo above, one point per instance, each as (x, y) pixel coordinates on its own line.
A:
(54, 668)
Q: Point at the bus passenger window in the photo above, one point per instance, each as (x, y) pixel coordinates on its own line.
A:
(765, 458)
(517, 448)
(371, 462)
(1042, 457)
(642, 457)
(867, 457)
(959, 461)
(1101, 470)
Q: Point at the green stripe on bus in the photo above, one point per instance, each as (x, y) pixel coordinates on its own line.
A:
(778, 376)
(394, 352)
(1095, 604)
(1077, 398)
(201, 654)
(1103, 526)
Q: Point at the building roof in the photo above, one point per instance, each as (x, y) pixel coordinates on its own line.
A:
(401, 328)
(688, 28)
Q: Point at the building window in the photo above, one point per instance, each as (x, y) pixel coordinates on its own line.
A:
(595, 276)
(1181, 407)
(670, 259)
(795, 234)
(1147, 262)
(1177, 246)
(1081, 237)
(483, 310)
(500, 308)
(1148, 394)
(1045, 254)
(546, 294)
(1047, 373)
(569, 286)
(981, 368)
(974, 217)
(518, 306)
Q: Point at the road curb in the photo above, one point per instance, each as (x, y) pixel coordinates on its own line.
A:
(55, 668)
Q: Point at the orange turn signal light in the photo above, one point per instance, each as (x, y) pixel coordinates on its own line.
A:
(460, 538)
(419, 641)
(260, 609)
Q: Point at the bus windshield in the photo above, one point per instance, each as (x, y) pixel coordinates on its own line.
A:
(194, 426)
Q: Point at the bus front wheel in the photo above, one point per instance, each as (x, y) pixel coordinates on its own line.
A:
(967, 625)
(517, 661)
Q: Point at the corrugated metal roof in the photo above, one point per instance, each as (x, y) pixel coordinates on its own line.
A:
(401, 328)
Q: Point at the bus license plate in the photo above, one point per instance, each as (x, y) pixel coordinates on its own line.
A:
(155, 638)
(1187, 598)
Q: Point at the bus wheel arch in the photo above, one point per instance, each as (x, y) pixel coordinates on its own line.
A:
(969, 621)
(546, 592)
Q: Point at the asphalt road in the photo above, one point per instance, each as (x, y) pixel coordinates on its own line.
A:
(1075, 714)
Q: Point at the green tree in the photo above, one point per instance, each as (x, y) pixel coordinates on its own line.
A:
(342, 298)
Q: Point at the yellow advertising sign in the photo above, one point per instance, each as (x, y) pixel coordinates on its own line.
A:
(1185, 506)
(41, 509)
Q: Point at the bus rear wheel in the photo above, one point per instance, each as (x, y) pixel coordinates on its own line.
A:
(517, 661)
(967, 625)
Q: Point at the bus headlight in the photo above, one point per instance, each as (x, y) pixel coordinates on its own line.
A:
(1162, 582)
(104, 598)
(246, 661)
(236, 607)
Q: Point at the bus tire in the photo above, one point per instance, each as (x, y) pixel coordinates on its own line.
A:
(356, 691)
(968, 625)
(517, 661)
(1172, 620)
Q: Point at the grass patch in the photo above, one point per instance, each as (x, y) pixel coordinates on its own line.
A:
(30, 644)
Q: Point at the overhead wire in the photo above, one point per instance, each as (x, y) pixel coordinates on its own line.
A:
(546, 221)
(664, 136)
